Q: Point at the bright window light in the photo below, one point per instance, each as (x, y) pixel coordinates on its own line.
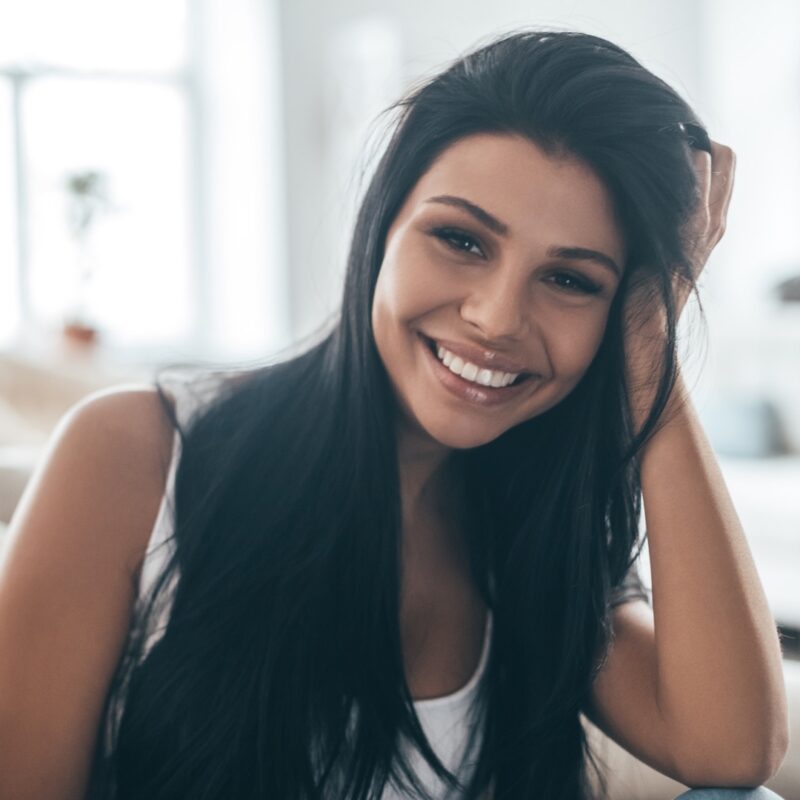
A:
(147, 181)
(131, 136)
(9, 307)
(145, 36)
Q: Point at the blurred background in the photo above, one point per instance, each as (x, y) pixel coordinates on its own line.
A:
(178, 180)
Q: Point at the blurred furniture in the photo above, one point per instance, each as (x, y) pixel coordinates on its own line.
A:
(766, 492)
(746, 427)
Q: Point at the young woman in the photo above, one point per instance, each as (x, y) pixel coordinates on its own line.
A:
(401, 563)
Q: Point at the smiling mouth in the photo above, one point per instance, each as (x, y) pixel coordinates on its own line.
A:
(495, 380)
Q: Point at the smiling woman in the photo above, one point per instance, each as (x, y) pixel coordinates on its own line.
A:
(400, 563)
(533, 290)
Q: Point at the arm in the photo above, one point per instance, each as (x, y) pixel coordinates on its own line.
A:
(67, 589)
(719, 684)
(694, 688)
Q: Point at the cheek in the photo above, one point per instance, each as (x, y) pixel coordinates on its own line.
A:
(408, 287)
(574, 349)
(390, 299)
(382, 316)
(391, 309)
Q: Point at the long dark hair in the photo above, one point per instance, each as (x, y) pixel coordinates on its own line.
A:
(287, 520)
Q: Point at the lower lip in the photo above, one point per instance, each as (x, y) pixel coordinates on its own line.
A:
(473, 393)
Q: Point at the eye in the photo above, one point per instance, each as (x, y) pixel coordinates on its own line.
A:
(570, 282)
(457, 240)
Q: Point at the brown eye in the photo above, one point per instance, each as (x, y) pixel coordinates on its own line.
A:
(571, 282)
(457, 240)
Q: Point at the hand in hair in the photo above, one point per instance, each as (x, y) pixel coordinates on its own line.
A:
(715, 175)
(645, 315)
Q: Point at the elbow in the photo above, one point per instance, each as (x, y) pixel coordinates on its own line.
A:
(774, 754)
(775, 745)
(750, 768)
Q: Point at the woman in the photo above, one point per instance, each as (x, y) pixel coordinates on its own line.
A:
(400, 562)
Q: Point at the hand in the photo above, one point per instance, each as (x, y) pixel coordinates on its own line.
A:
(645, 319)
(704, 230)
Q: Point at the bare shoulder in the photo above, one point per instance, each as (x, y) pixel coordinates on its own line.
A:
(115, 445)
(67, 584)
(131, 413)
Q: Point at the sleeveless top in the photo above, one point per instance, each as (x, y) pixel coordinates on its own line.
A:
(447, 721)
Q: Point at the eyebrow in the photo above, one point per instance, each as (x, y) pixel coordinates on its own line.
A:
(501, 229)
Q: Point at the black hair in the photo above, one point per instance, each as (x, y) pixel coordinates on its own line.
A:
(280, 673)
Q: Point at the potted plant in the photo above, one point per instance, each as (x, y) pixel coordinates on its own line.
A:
(87, 200)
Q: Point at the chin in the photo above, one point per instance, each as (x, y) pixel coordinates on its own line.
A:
(462, 435)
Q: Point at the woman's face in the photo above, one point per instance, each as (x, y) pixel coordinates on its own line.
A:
(501, 262)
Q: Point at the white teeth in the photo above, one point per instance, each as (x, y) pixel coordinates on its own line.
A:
(485, 377)
(473, 373)
(470, 372)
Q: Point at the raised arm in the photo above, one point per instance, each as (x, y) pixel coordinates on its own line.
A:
(696, 687)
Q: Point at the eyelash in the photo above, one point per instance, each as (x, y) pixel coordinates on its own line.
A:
(580, 284)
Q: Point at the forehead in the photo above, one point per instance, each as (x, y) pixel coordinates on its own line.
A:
(542, 199)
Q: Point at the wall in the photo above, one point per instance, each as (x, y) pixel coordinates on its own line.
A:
(667, 37)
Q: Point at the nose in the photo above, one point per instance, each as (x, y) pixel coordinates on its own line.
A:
(498, 307)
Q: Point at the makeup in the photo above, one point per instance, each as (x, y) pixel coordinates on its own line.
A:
(469, 391)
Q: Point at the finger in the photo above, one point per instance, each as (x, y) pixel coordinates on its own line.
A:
(721, 188)
(703, 168)
(730, 171)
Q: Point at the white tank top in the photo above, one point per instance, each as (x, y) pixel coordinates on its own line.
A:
(446, 720)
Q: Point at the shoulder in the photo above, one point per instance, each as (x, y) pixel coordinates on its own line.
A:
(128, 422)
(127, 411)
(110, 451)
(133, 415)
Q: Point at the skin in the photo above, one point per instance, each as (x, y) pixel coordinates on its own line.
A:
(694, 686)
(703, 702)
(504, 293)
(705, 662)
(645, 317)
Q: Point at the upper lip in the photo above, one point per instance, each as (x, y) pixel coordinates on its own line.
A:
(480, 356)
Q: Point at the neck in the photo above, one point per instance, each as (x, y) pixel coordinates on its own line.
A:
(435, 551)
(422, 464)
(431, 496)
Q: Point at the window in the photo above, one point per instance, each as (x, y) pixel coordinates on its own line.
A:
(85, 97)
(100, 91)
(132, 134)
(9, 269)
(140, 144)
